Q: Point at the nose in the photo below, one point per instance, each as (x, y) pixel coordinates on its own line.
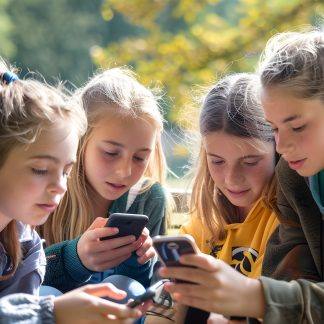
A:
(233, 176)
(283, 142)
(124, 167)
(58, 185)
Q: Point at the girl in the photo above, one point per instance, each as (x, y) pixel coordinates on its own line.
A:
(232, 199)
(120, 168)
(292, 77)
(39, 134)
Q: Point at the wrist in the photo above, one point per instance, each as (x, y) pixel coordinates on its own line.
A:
(253, 299)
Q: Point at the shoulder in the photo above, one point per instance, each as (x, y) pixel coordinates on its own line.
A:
(287, 176)
(155, 192)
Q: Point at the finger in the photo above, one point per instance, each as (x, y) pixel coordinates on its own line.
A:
(183, 273)
(104, 290)
(107, 308)
(145, 247)
(149, 254)
(97, 223)
(189, 290)
(145, 232)
(203, 261)
(112, 263)
(192, 301)
(98, 233)
(118, 242)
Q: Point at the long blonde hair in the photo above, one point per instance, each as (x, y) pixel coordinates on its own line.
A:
(115, 92)
(231, 106)
(27, 108)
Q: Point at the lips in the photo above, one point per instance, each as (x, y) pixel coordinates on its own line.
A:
(238, 192)
(296, 164)
(47, 207)
(116, 185)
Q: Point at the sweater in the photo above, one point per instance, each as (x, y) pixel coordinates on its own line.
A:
(65, 270)
(294, 254)
(245, 243)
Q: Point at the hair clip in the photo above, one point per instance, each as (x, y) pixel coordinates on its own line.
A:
(9, 77)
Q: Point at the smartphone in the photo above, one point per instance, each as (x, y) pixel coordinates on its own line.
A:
(170, 248)
(128, 224)
(149, 294)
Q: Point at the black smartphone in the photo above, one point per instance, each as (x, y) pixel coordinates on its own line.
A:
(170, 248)
(149, 294)
(128, 224)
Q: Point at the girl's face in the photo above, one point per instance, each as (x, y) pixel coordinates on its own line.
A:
(33, 178)
(240, 167)
(117, 154)
(299, 129)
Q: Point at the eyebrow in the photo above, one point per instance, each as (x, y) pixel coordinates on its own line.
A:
(145, 149)
(49, 157)
(241, 158)
(288, 119)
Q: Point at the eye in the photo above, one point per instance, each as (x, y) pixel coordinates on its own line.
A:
(275, 130)
(299, 129)
(251, 163)
(217, 162)
(39, 171)
(111, 153)
(138, 158)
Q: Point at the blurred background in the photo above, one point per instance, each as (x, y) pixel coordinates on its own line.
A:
(177, 46)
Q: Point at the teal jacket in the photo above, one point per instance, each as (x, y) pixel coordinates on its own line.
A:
(65, 270)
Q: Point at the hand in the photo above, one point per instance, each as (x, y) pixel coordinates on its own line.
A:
(217, 319)
(218, 288)
(84, 306)
(220, 319)
(145, 250)
(98, 255)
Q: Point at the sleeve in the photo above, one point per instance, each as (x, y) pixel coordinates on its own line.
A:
(64, 270)
(299, 301)
(154, 206)
(23, 308)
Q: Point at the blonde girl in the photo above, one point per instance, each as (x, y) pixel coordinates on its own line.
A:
(292, 96)
(232, 215)
(39, 130)
(120, 168)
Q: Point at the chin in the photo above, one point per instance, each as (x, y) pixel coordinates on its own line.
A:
(307, 172)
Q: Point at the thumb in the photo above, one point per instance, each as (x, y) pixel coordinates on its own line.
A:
(104, 290)
(98, 223)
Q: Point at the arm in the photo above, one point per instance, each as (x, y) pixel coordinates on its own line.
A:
(299, 301)
(153, 204)
(64, 269)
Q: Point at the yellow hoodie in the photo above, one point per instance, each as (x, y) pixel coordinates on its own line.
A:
(245, 243)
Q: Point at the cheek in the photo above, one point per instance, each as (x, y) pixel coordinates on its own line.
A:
(216, 175)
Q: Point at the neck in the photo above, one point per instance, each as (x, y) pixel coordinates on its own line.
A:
(99, 204)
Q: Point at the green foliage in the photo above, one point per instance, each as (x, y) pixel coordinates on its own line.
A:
(7, 48)
(195, 41)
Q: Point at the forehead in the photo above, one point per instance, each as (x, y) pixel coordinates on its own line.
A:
(125, 130)
(280, 105)
(230, 146)
(60, 141)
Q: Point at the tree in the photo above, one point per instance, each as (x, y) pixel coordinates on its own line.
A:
(189, 42)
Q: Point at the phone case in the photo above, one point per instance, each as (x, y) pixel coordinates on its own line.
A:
(170, 248)
(128, 224)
